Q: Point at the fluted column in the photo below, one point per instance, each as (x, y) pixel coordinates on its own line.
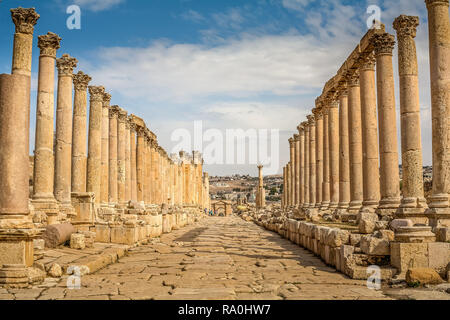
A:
(439, 46)
(121, 144)
(148, 168)
(133, 161)
(104, 185)
(344, 153)
(113, 125)
(389, 166)
(333, 124)
(43, 198)
(369, 124)
(318, 116)
(140, 163)
(63, 148)
(283, 198)
(301, 133)
(79, 137)
(326, 161)
(312, 161)
(413, 203)
(306, 203)
(127, 160)
(355, 143)
(288, 184)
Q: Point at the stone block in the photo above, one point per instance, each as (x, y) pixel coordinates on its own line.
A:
(102, 233)
(39, 244)
(355, 238)
(337, 255)
(385, 234)
(439, 256)
(366, 226)
(77, 241)
(409, 255)
(374, 246)
(337, 237)
(17, 252)
(396, 223)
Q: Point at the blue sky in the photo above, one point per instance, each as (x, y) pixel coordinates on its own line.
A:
(232, 64)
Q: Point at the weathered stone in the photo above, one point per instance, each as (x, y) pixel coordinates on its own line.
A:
(374, 246)
(422, 276)
(77, 241)
(55, 271)
(57, 234)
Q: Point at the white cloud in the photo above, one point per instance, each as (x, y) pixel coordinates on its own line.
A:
(97, 5)
(192, 15)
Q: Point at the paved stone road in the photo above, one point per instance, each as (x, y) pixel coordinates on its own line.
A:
(217, 258)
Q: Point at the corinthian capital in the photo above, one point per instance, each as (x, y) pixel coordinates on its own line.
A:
(25, 19)
(384, 43)
(406, 26)
(122, 115)
(318, 114)
(311, 120)
(48, 44)
(353, 78)
(66, 64)
(96, 93)
(81, 81)
(367, 61)
(106, 99)
(291, 142)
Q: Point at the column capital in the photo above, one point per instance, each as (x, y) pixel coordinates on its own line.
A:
(140, 131)
(431, 3)
(318, 113)
(406, 26)
(66, 64)
(131, 123)
(311, 120)
(296, 137)
(342, 88)
(301, 129)
(96, 93)
(353, 78)
(122, 115)
(25, 19)
(106, 99)
(49, 43)
(291, 142)
(334, 104)
(367, 61)
(113, 112)
(384, 43)
(81, 81)
(305, 126)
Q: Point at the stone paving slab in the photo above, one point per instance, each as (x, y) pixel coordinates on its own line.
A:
(216, 258)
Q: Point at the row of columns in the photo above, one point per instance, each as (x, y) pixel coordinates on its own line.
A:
(351, 137)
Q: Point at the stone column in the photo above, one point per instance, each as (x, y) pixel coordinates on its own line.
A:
(63, 148)
(301, 132)
(292, 173)
(154, 170)
(44, 163)
(261, 191)
(133, 157)
(95, 141)
(306, 203)
(371, 172)
(121, 144)
(288, 185)
(439, 46)
(140, 163)
(24, 19)
(355, 143)
(113, 125)
(312, 161)
(297, 169)
(104, 184)
(326, 162)
(333, 124)
(344, 157)
(283, 198)
(127, 160)
(16, 228)
(389, 169)
(148, 168)
(413, 203)
(319, 155)
(79, 137)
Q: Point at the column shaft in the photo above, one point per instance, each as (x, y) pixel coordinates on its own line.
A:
(326, 161)
(344, 154)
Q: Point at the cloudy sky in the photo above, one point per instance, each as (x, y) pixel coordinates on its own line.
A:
(232, 64)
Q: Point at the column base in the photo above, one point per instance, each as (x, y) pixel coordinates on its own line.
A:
(388, 207)
(324, 206)
(67, 211)
(416, 215)
(438, 217)
(355, 207)
(414, 235)
(47, 206)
